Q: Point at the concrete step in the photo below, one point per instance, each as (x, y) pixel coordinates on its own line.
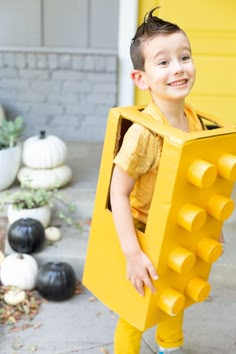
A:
(71, 248)
(84, 160)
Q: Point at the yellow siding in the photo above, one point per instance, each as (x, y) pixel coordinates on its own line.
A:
(145, 6)
(211, 27)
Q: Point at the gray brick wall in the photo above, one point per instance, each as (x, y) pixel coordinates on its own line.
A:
(68, 94)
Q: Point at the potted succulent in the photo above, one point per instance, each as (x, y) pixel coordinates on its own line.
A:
(10, 151)
(36, 204)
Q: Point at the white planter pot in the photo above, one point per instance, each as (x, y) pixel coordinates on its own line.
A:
(43, 214)
(10, 160)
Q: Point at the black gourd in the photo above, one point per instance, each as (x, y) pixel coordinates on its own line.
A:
(56, 281)
(26, 235)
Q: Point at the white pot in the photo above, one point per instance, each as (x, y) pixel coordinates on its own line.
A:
(43, 214)
(10, 160)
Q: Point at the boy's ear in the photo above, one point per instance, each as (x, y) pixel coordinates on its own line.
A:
(138, 77)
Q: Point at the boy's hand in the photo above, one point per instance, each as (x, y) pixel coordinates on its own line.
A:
(222, 241)
(140, 272)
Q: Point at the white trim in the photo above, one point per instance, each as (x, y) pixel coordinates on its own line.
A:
(128, 13)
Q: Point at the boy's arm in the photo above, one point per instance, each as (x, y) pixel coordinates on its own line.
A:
(140, 270)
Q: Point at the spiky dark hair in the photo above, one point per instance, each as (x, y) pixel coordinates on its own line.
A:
(151, 27)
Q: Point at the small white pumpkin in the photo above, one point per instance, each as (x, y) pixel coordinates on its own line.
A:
(19, 270)
(44, 151)
(52, 234)
(48, 179)
(14, 296)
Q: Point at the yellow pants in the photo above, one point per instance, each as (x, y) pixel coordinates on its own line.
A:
(128, 338)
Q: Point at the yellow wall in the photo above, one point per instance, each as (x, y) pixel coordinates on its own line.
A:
(211, 28)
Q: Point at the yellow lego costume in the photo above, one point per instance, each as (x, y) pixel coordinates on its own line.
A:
(191, 201)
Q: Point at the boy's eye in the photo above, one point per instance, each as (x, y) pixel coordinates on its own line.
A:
(163, 63)
(185, 57)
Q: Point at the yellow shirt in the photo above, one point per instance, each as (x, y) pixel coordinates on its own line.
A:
(139, 157)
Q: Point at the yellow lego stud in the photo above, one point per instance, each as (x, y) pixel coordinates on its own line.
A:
(220, 207)
(191, 217)
(209, 250)
(202, 174)
(197, 289)
(181, 260)
(227, 167)
(171, 301)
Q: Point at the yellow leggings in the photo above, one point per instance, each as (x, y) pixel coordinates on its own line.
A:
(128, 338)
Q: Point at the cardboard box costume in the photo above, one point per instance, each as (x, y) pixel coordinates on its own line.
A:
(190, 203)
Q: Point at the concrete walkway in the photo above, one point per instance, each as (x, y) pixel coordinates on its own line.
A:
(84, 325)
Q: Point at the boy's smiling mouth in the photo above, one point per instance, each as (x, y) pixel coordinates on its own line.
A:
(178, 83)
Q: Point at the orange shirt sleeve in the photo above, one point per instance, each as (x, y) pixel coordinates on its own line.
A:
(138, 152)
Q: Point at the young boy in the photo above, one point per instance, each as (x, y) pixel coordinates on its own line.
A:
(162, 60)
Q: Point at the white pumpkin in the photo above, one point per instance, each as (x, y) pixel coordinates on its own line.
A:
(52, 233)
(19, 270)
(14, 296)
(48, 179)
(44, 151)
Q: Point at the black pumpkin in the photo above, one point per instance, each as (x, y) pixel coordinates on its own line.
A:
(26, 235)
(56, 281)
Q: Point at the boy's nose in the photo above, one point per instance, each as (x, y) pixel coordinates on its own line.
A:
(177, 66)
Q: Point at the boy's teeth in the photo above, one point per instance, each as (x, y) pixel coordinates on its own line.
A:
(176, 83)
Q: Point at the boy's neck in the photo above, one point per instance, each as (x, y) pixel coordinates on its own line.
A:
(174, 113)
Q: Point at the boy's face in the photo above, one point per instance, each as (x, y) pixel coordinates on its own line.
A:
(169, 72)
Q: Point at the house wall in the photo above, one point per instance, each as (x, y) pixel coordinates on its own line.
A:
(67, 93)
(58, 65)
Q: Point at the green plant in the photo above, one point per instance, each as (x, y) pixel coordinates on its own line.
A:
(27, 198)
(10, 132)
